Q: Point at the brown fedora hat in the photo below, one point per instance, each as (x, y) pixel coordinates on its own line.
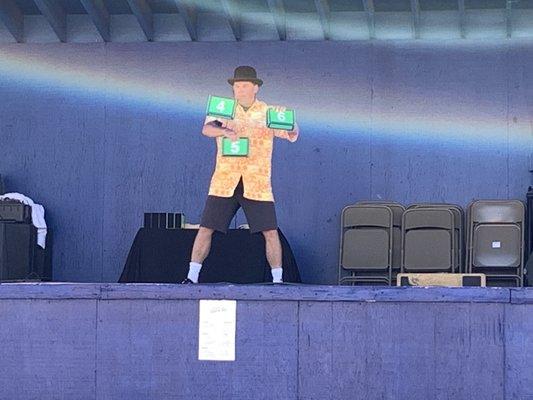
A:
(246, 74)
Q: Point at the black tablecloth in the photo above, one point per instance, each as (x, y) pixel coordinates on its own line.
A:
(163, 255)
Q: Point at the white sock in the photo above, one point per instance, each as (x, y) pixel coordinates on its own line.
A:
(277, 274)
(194, 271)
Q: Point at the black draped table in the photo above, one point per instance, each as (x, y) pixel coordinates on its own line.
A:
(163, 255)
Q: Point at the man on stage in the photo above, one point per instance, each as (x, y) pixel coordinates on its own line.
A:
(242, 181)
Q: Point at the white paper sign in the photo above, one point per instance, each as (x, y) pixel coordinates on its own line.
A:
(217, 325)
(496, 245)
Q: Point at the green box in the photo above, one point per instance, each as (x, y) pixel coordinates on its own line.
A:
(221, 107)
(280, 120)
(238, 148)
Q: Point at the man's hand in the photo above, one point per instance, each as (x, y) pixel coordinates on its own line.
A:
(230, 134)
(293, 135)
(229, 124)
(221, 127)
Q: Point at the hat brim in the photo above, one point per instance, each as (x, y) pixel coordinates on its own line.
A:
(258, 82)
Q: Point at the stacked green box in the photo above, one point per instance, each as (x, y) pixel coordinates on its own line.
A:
(238, 148)
(223, 107)
(280, 119)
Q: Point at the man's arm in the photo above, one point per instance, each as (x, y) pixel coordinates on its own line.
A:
(291, 136)
(216, 128)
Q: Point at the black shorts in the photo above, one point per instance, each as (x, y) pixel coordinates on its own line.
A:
(218, 212)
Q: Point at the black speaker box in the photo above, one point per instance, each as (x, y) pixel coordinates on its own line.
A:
(164, 220)
(18, 252)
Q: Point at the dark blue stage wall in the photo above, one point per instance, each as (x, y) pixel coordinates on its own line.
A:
(101, 133)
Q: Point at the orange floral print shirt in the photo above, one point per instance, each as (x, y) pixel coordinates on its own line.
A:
(255, 169)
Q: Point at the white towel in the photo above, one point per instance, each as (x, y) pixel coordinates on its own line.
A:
(37, 215)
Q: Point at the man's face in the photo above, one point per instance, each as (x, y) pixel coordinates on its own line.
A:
(245, 92)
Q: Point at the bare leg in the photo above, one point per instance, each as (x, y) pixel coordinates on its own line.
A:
(202, 245)
(273, 248)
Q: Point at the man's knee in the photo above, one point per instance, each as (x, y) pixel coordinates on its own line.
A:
(271, 235)
(205, 232)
